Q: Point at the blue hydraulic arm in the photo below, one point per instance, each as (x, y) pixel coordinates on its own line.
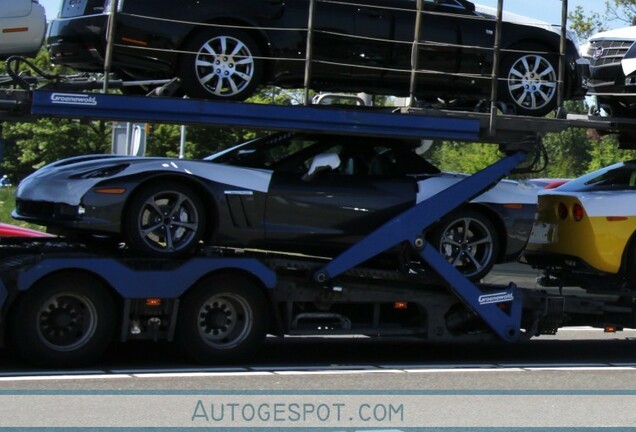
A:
(409, 226)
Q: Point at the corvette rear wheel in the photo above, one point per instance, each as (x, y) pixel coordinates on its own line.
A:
(528, 80)
(469, 241)
(221, 63)
(164, 220)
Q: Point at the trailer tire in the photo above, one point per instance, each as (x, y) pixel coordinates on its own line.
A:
(223, 319)
(64, 320)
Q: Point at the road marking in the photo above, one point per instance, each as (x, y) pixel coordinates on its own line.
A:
(584, 368)
(339, 372)
(310, 371)
(179, 370)
(64, 377)
(199, 374)
(463, 370)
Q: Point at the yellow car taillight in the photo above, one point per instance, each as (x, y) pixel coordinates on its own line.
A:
(562, 211)
(578, 212)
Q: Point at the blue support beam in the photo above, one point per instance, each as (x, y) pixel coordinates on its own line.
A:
(409, 227)
(236, 114)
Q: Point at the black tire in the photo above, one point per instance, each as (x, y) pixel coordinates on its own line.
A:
(223, 319)
(528, 80)
(221, 63)
(64, 320)
(165, 219)
(469, 241)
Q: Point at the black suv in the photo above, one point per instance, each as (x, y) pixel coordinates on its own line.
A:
(224, 49)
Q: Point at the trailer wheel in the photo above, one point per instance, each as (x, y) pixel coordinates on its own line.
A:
(469, 241)
(64, 320)
(164, 220)
(222, 319)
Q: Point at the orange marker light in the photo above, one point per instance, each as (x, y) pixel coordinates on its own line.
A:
(400, 305)
(153, 302)
(610, 329)
(111, 191)
(134, 41)
(15, 30)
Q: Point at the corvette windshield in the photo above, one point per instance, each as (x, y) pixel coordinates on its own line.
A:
(617, 176)
(293, 152)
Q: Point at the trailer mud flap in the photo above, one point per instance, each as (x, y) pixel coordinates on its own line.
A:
(3, 294)
(506, 322)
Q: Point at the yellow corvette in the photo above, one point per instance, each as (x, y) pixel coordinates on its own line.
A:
(586, 227)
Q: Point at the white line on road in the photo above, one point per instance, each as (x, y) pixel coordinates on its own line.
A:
(326, 370)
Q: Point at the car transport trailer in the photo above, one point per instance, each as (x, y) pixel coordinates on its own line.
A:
(64, 303)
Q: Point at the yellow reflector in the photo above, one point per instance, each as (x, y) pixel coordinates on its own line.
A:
(111, 191)
(400, 305)
(153, 302)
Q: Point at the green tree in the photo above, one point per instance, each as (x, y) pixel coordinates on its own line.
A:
(622, 12)
(605, 152)
(29, 146)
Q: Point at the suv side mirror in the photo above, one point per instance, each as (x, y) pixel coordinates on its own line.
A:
(322, 162)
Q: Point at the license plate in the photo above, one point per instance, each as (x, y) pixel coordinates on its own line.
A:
(542, 233)
(73, 8)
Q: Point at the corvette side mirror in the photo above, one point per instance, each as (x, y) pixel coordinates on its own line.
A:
(322, 162)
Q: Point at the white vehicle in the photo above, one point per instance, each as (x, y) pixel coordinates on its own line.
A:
(22, 27)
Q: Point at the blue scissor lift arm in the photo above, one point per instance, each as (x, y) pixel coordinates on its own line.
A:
(407, 227)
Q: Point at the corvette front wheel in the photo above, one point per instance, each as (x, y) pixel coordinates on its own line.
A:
(164, 220)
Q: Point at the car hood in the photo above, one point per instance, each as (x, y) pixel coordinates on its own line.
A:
(504, 192)
(68, 180)
(626, 33)
(523, 20)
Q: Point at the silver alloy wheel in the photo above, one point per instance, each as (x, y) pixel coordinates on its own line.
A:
(224, 66)
(468, 245)
(532, 82)
(66, 321)
(168, 221)
(225, 320)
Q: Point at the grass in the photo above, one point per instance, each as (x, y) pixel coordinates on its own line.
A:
(7, 204)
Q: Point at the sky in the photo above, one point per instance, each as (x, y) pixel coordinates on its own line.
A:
(549, 10)
(545, 10)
